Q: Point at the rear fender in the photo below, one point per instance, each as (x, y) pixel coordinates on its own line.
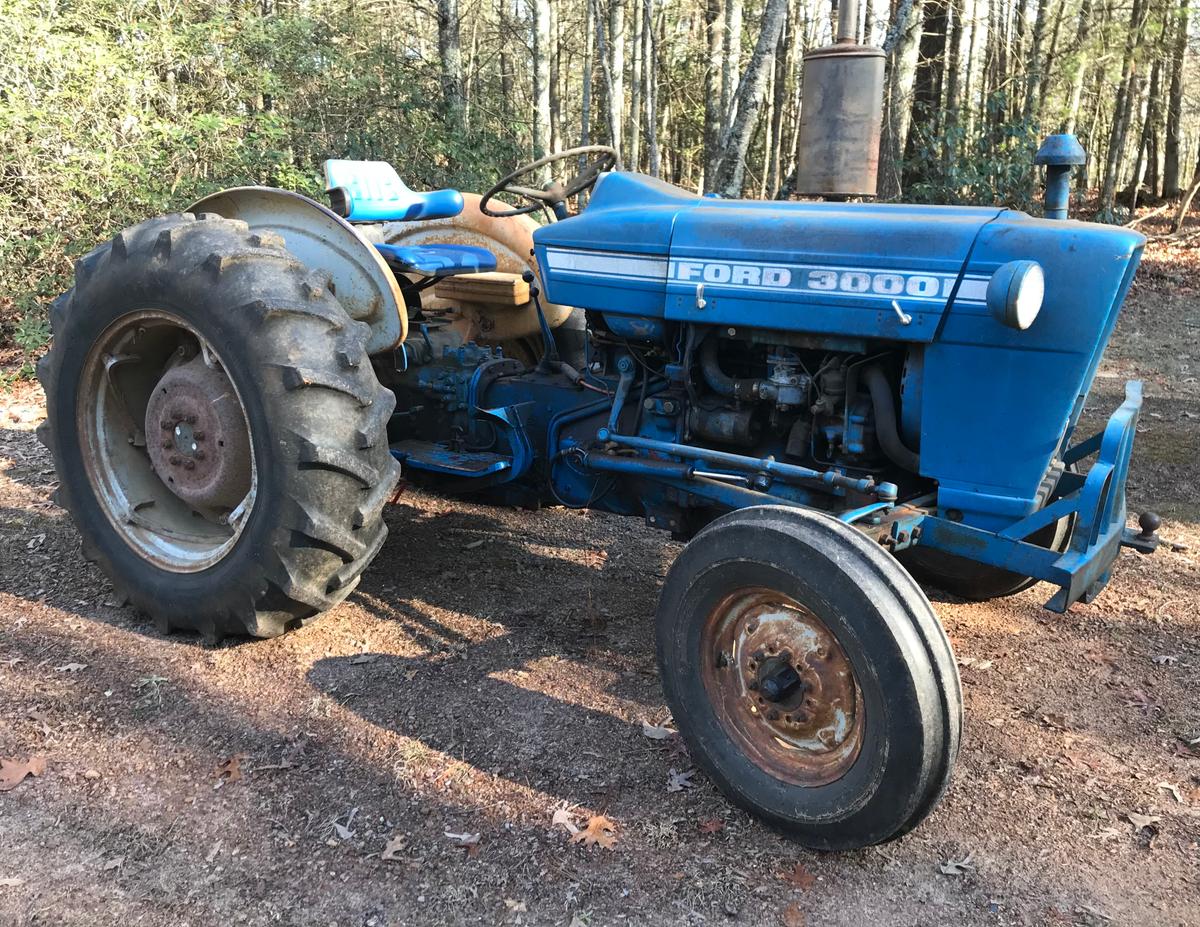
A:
(323, 240)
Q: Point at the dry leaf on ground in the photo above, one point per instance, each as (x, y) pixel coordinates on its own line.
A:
(711, 826)
(1142, 820)
(364, 658)
(958, 867)
(14, 771)
(393, 848)
(70, 668)
(231, 769)
(678, 781)
(563, 817)
(655, 731)
(799, 877)
(468, 842)
(793, 916)
(11, 882)
(600, 831)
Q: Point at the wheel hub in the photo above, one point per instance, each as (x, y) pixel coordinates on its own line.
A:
(782, 686)
(197, 438)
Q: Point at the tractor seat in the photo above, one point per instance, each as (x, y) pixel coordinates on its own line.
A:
(437, 260)
(372, 191)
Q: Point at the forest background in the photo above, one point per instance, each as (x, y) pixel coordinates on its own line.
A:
(115, 110)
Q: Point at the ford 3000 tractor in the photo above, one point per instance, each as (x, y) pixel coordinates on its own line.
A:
(827, 401)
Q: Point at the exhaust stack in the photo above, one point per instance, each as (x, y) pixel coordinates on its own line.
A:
(841, 115)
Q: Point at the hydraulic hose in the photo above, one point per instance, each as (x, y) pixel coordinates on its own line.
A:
(885, 420)
(722, 384)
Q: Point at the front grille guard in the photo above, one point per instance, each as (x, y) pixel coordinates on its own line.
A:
(1096, 503)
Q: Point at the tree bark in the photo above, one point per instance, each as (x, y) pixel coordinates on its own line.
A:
(714, 14)
(616, 67)
(902, 46)
(731, 64)
(1172, 180)
(633, 126)
(650, 88)
(541, 78)
(450, 54)
(585, 95)
(555, 80)
(748, 101)
(1122, 113)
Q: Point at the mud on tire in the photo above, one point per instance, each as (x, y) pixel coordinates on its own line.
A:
(316, 417)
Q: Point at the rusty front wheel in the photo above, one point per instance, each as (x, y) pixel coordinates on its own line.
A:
(809, 676)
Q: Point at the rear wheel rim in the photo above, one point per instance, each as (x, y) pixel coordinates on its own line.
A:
(166, 442)
(782, 687)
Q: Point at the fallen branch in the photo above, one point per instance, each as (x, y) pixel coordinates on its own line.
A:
(1185, 205)
(1150, 215)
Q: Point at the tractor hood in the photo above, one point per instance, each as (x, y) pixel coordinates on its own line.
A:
(644, 247)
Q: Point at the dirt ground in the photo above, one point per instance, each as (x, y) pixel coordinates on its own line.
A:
(496, 667)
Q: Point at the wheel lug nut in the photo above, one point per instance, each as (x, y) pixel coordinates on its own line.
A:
(166, 424)
(189, 465)
(190, 419)
(752, 627)
(198, 435)
(174, 461)
(199, 455)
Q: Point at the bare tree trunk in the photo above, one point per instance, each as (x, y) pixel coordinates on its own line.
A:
(969, 72)
(1126, 91)
(1033, 72)
(555, 81)
(902, 44)
(633, 126)
(585, 96)
(616, 67)
(650, 88)
(541, 78)
(927, 88)
(612, 111)
(506, 70)
(1048, 66)
(732, 62)
(713, 67)
(778, 104)
(748, 101)
(450, 54)
(1171, 157)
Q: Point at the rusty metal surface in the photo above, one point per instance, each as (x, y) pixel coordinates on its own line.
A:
(782, 687)
(323, 240)
(122, 374)
(840, 121)
(196, 436)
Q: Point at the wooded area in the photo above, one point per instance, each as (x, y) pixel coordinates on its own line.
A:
(113, 110)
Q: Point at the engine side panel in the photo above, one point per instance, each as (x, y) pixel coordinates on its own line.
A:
(998, 404)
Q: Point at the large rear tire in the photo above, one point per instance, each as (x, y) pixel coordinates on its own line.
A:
(217, 430)
(809, 676)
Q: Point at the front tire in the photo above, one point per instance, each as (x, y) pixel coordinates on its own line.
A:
(217, 429)
(809, 676)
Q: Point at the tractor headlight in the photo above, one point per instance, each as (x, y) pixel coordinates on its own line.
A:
(1015, 292)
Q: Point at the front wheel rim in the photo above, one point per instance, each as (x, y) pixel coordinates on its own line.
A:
(166, 442)
(782, 687)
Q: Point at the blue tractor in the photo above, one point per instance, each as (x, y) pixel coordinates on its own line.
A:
(827, 401)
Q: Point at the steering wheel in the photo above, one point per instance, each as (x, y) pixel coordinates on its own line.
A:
(554, 194)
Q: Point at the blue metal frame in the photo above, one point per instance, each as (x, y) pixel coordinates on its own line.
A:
(987, 410)
(1097, 506)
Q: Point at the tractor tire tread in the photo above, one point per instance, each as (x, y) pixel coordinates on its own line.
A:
(328, 525)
